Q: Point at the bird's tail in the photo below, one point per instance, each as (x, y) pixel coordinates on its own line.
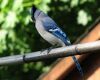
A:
(78, 65)
(75, 60)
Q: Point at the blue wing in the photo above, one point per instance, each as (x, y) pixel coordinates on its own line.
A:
(53, 28)
(59, 34)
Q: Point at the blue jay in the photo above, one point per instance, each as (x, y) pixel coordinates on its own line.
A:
(50, 31)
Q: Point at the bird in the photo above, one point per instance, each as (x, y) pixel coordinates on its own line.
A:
(51, 32)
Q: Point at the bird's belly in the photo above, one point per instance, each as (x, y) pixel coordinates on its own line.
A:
(51, 38)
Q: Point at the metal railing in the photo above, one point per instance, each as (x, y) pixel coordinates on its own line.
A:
(77, 49)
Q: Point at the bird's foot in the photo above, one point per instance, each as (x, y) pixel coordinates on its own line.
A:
(48, 50)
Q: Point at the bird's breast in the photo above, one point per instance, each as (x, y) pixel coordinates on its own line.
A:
(40, 28)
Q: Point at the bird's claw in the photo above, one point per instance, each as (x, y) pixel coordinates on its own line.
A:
(48, 50)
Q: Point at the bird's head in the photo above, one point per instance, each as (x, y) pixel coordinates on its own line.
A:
(33, 9)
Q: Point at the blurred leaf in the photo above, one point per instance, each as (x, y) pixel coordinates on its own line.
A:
(10, 20)
(84, 1)
(44, 5)
(3, 34)
(27, 20)
(25, 69)
(1, 17)
(4, 3)
(83, 18)
(74, 3)
(38, 65)
(46, 68)
(64, 0)
(17, 5)
(37, 2)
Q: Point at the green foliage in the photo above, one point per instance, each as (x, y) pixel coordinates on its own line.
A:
(83, 18)
(18, 34)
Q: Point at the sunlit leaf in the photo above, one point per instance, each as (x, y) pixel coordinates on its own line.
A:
(74, 3)
(83, 17)
(3, 34)
(1, 17)
(3, 3)
(27, 20)
(36, 2)
(11, 35)
(10, 20)
(84, 1)
(43, 5)
(17, 4)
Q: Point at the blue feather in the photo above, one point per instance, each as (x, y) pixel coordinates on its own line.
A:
(51, 27)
